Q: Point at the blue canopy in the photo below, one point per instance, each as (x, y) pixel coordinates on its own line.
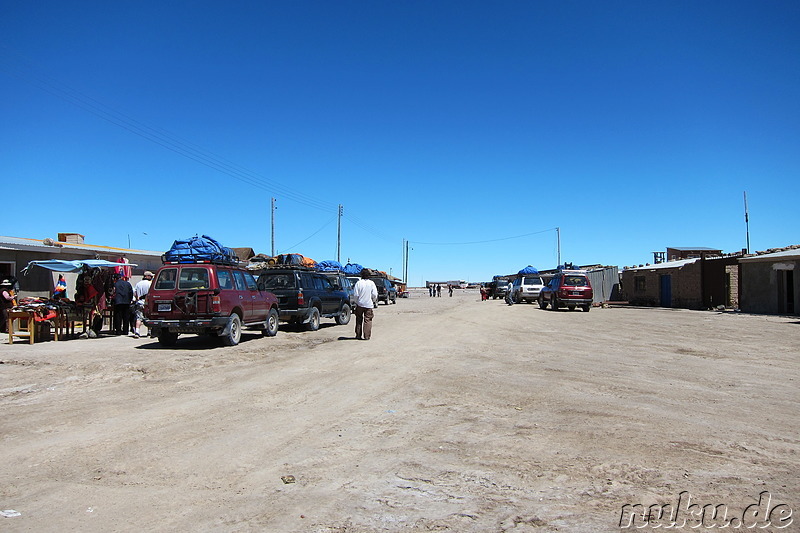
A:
(60, 265)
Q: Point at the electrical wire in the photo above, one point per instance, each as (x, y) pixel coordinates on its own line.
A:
(328, 223)
(158, 136)
(482, 242)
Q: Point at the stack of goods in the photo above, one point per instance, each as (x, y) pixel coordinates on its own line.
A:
(352, 269)
(200, 249)
(329, 266)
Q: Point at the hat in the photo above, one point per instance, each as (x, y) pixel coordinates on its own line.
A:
(148, 273)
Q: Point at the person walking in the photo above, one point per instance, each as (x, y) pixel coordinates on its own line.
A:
(510, 294)
(430, 290)
(366, 294)
(439, 290)
(450, 290)
(123, 296)
(139, 297)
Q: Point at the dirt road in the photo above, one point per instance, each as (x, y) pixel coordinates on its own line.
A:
(458, 415)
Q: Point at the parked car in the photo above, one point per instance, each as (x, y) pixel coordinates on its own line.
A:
(306, 296)
(570, 288)
(526, 288)
(386, 291)
(208, 298)
(341, 281)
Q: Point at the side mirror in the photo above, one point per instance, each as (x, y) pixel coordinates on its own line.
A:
(217, 291)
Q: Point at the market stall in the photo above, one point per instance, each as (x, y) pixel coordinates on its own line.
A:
(87, 311)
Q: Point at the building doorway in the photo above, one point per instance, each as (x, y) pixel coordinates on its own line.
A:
(666, 290)
(786, 292)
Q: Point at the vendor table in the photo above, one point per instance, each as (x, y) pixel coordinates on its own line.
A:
(15, 327)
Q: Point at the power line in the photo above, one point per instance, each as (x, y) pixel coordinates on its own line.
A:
(304, 240)
(484, 241)
(159, 136)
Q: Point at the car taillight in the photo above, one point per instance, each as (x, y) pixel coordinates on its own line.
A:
(300, 299)
(216, 306)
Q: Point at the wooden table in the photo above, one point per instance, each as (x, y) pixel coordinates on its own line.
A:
(28, 331)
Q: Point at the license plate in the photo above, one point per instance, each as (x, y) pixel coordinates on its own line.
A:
(576, 293)
(164, 308)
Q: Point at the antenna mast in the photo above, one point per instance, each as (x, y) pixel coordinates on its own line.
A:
(747, 222)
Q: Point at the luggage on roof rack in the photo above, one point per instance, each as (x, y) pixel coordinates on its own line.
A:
(203, 249)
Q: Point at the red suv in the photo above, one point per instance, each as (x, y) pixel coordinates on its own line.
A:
(208, 298)
(570, 288)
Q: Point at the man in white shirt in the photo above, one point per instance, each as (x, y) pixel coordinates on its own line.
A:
(366, 294)
(139, 295)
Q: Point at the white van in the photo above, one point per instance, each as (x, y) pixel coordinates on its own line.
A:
(526, 288)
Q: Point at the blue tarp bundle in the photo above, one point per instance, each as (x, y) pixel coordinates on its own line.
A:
(60, 265)
(352, 269)
(329, 266)
(528, 270)
(202, 248)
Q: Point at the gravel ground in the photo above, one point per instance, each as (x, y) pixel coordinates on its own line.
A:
(459, 415)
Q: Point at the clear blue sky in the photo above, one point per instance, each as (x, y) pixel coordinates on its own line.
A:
(632, 126)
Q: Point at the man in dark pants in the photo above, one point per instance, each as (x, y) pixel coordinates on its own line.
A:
(123, 296)
(366, 294)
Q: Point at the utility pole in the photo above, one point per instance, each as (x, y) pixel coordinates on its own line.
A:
(558, 238)
(272, 223)
(339, 237)
(747, 222)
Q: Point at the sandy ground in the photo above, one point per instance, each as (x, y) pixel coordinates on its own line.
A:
(458, 415)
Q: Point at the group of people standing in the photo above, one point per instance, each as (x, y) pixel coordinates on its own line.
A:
(435, 290)
(129, 304)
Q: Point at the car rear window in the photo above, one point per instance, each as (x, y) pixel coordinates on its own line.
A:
(166, 279)
(276, 281)
(532, 280)
(193, 278)
(576, 281)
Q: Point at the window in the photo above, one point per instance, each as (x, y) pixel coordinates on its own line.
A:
(276, 281)
(193, 278)
(224, 279)
(166, 279)
(639, 283)
(238, 275)
(576, 281)
(251, 281)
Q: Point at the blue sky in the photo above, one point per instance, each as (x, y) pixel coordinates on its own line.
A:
(632, 126)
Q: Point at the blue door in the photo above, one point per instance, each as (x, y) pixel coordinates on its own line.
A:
(666, 290)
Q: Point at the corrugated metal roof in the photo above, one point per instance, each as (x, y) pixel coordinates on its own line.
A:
(775, 256)
(14, 243)
(668, 264)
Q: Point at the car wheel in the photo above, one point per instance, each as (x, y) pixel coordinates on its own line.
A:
(587, 308)
(271, 325)
(234, 332)
(166, 338)
(542, 303)
(571, 307)
(313, 320)
(344, 315)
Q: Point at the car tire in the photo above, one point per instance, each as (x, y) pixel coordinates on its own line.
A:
(271, 324)
(166, 338)
(313, 320)
(571, 307)
(343, 318)
(542, 303)
(587, 308)
(234, 334)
